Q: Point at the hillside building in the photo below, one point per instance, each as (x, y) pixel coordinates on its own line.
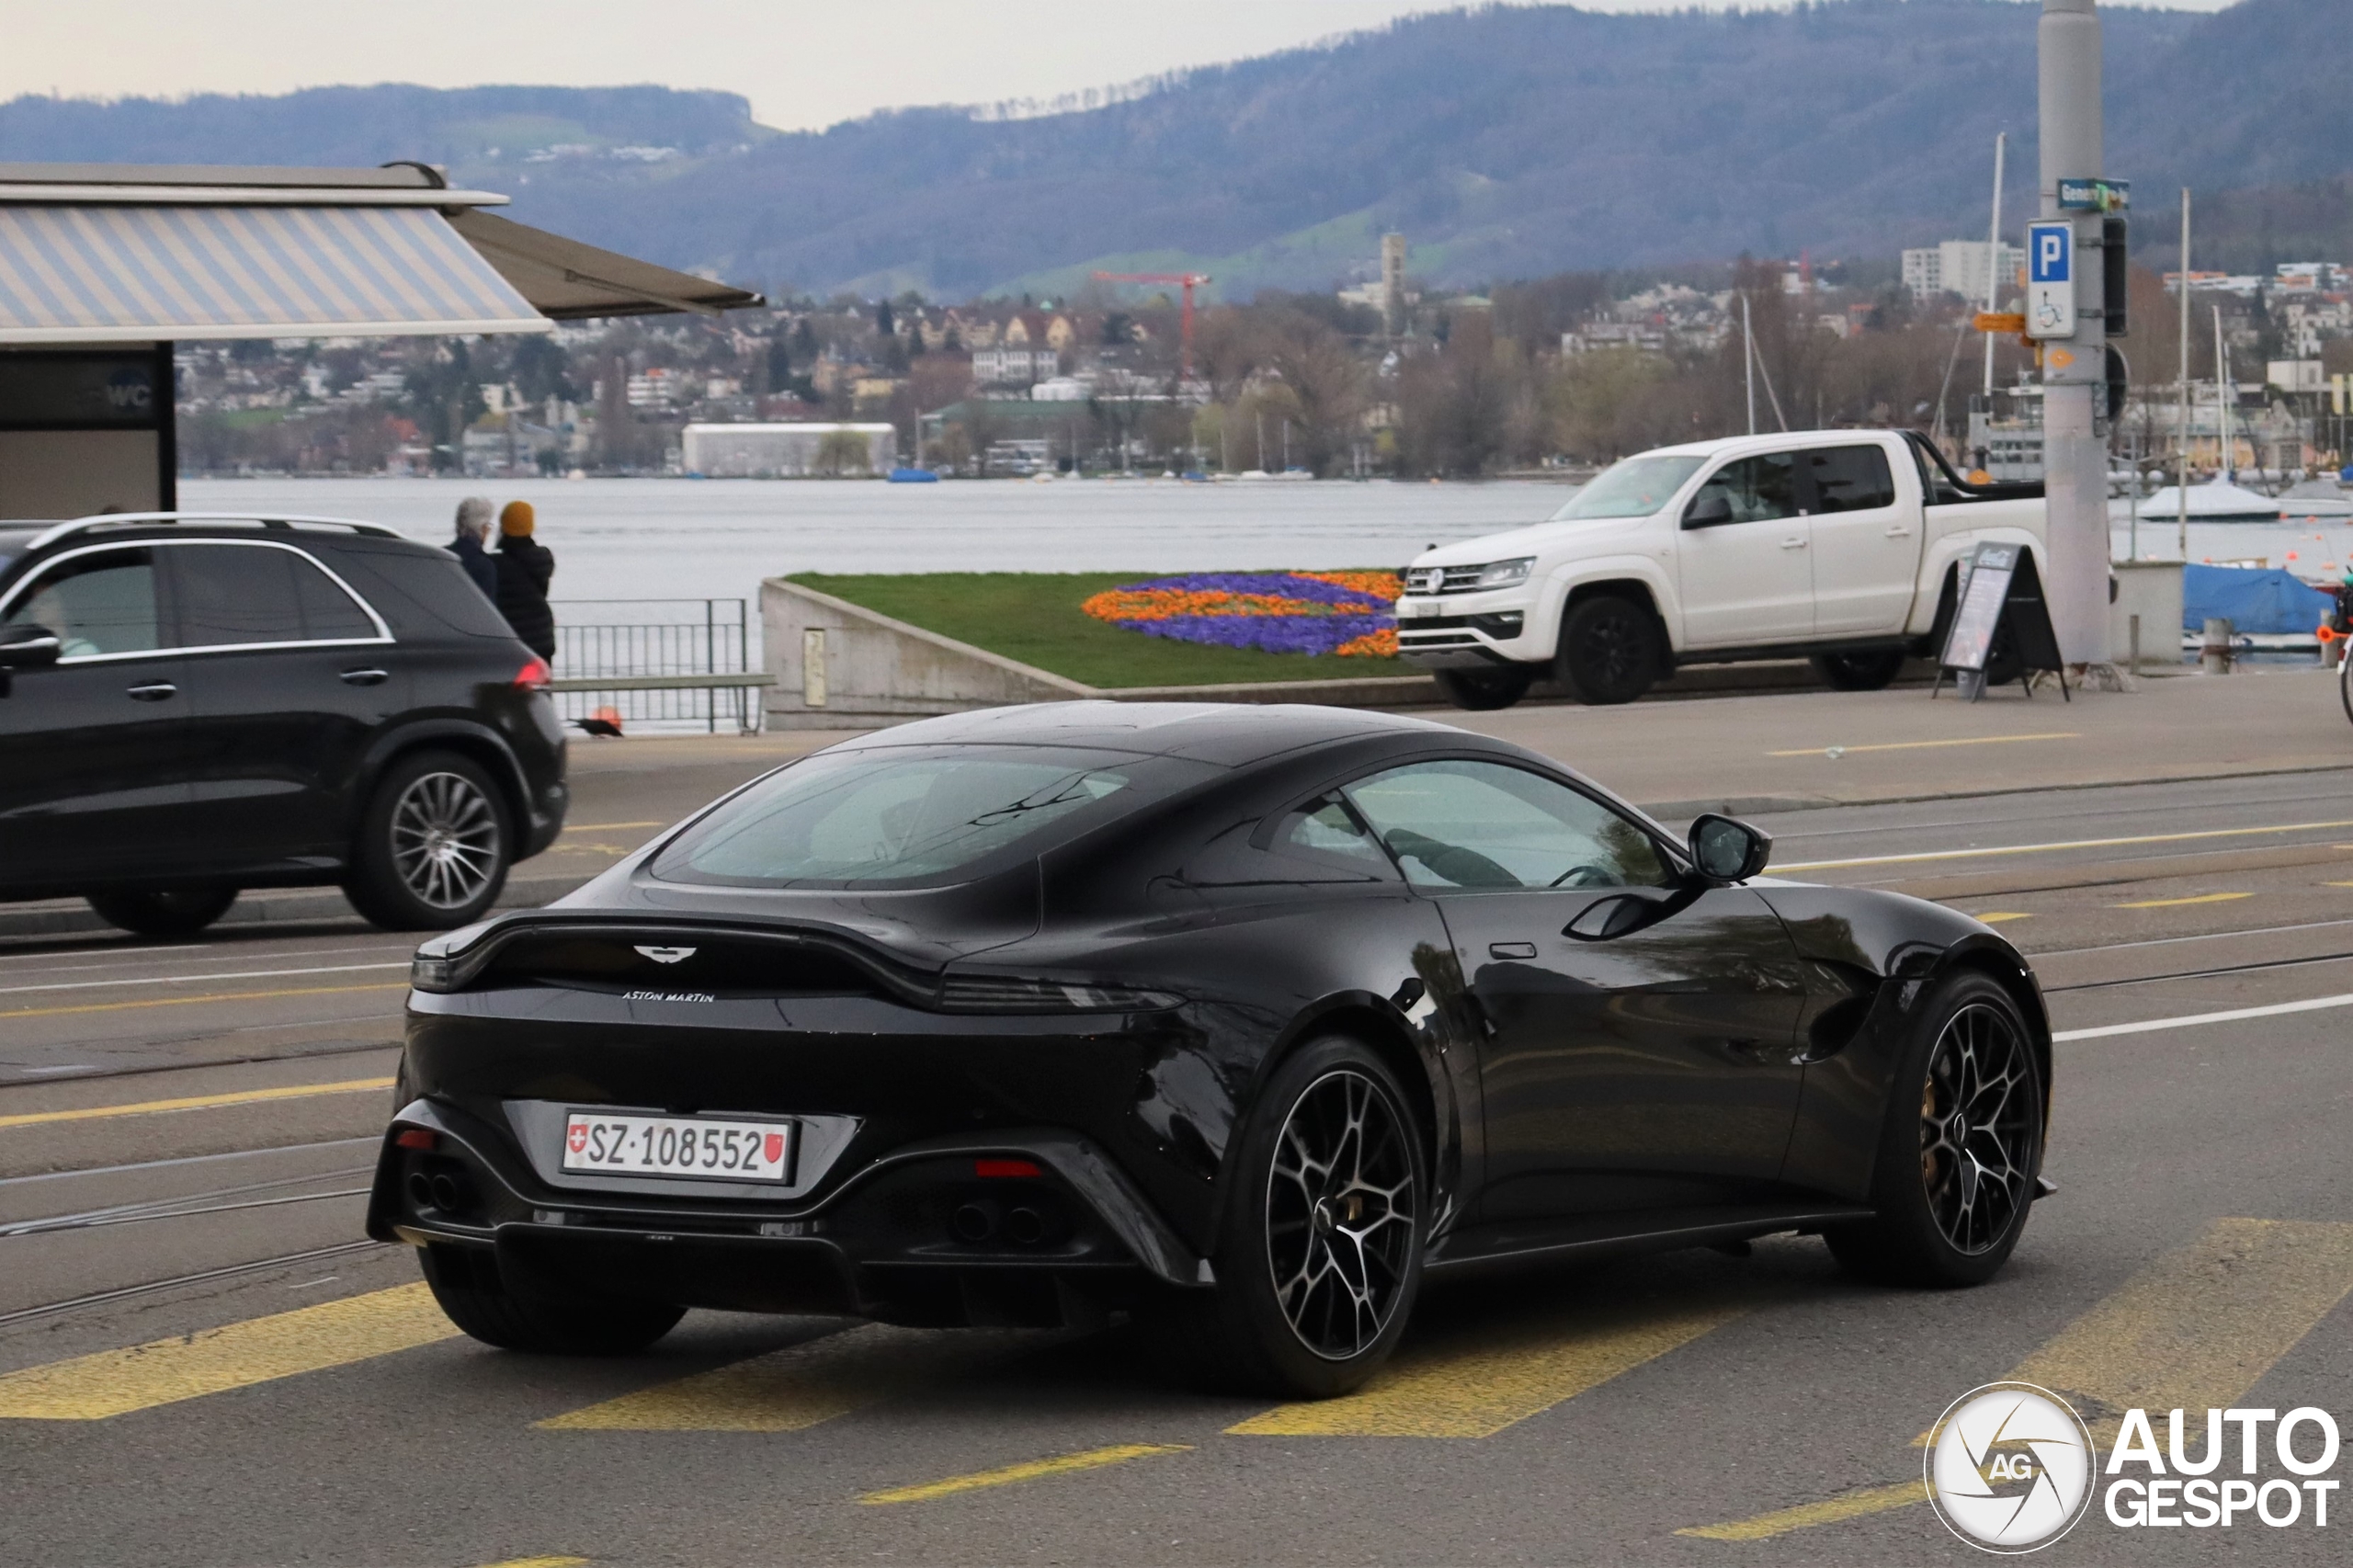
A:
(1958, 267)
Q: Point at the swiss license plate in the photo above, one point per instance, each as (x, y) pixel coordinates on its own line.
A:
(677, 1145)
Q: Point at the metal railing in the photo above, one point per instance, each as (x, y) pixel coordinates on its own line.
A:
(640, 644)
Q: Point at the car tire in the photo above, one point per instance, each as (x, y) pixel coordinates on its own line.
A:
(1292, 1316)
(1966, 1103)
(1484, 691)
(1866, 671)
(472, 1295)
(434, 847)
(1609, 651)
(163, 912)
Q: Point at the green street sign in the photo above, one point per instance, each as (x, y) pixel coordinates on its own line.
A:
(2094, 195)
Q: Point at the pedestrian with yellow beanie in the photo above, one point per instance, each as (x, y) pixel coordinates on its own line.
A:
(525, 567)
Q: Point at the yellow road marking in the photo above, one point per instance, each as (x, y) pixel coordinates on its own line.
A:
(795, 1387)
(309, 1339)
(591, 849)
(609, 826)
(2176, 903)
(2199, 1328)
(1995, 916)
(196, 1102)
(540, 1562)
(2069, 843)
(1922, 745)
(194, 1000)
(1477, 1390)
(2340, 884)
(1829, 1511)
(1093, 1459)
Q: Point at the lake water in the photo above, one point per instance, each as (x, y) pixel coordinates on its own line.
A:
(716, 538)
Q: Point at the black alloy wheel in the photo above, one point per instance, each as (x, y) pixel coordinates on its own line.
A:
(1866, 671)
(1340, 1214)
(163, 912)
(1484, 691)
(434, 847)
(1609, 651)
(1976, 1135)
(1319, 1255)
(1961, 1148)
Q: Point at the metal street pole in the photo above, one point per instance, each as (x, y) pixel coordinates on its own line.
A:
(2074, 454)
(2181, 466)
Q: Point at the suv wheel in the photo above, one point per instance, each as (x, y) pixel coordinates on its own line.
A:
(1484, 691)
(433, 844)
(1867, 671)
(163, 912)
(1609, 651)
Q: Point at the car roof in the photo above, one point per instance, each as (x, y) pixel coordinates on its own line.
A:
(1229, 734)
(1779, 441)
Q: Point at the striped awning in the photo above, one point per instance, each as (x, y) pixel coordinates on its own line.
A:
(83, 273)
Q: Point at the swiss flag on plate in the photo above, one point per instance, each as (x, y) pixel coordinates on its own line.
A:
(775, 1148)
(575, 1137)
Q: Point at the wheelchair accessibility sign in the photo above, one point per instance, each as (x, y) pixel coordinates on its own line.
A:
(2051, 280)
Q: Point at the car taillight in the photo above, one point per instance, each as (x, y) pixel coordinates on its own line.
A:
(533, 676)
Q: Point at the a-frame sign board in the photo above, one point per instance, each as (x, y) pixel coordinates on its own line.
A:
(2000, 590)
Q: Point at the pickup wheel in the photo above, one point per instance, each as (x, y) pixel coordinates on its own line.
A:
(1866, 671)
(1484, 691)
(1609, 651)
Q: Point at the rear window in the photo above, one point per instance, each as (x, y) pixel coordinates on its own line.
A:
(412, 589)
(914, 816)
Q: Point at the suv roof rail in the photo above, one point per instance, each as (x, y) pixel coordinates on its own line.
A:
(149, 519)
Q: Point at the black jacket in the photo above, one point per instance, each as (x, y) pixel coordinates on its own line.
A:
(478, 565)
(525, 565)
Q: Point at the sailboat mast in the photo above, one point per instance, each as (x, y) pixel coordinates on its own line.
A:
(1993, 263)
(2221, 400)
(2181, 481)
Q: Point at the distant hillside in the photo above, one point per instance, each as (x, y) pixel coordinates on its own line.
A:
(1506, 141)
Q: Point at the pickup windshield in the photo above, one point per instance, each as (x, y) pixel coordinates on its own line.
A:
(1634, 488)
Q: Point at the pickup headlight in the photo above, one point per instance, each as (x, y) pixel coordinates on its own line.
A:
(1503, 573)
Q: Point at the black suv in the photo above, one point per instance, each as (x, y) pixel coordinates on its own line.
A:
(194, 704)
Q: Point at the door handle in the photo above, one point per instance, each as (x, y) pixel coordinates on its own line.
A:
(366, 678)
(1899, 532)
(1511, 950)
(154, 691)
(1797, 543)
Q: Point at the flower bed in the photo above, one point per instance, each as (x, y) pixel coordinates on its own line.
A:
(1347, 613)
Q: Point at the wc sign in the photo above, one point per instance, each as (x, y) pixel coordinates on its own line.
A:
(2051, 280)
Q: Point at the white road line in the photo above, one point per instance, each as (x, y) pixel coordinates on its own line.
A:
(2314, 1005)
(2063, 843)
(197, 979)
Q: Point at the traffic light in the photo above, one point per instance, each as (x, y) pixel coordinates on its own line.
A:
(2115, 279)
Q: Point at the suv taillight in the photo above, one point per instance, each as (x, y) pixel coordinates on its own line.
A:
(533, 676)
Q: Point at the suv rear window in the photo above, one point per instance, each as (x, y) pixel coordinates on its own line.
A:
(413, 589)
(913, 815)
(224, 595)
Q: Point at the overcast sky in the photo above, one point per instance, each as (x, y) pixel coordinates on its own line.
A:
(802, 63)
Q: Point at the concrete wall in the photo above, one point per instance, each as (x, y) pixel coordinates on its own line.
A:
(840, 666)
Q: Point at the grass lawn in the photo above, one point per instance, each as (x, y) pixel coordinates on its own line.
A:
(1034, 617)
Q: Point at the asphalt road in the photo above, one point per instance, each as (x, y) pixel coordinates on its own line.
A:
(183, 1127)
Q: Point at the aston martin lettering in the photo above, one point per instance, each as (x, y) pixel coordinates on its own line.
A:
(668, 996)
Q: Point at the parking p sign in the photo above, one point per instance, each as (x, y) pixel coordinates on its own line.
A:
(2051, 280)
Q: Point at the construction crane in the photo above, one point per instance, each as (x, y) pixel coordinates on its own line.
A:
(1185, 328)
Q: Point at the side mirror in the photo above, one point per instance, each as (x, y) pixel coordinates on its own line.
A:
(1708, 511)
(28, 647)
(1728, 851)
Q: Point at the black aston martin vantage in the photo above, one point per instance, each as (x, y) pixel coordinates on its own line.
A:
(1243, 1020)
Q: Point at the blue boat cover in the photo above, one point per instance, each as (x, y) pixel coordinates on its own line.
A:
(2262, 601)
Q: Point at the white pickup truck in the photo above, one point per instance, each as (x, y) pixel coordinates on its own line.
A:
(1839, 546)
